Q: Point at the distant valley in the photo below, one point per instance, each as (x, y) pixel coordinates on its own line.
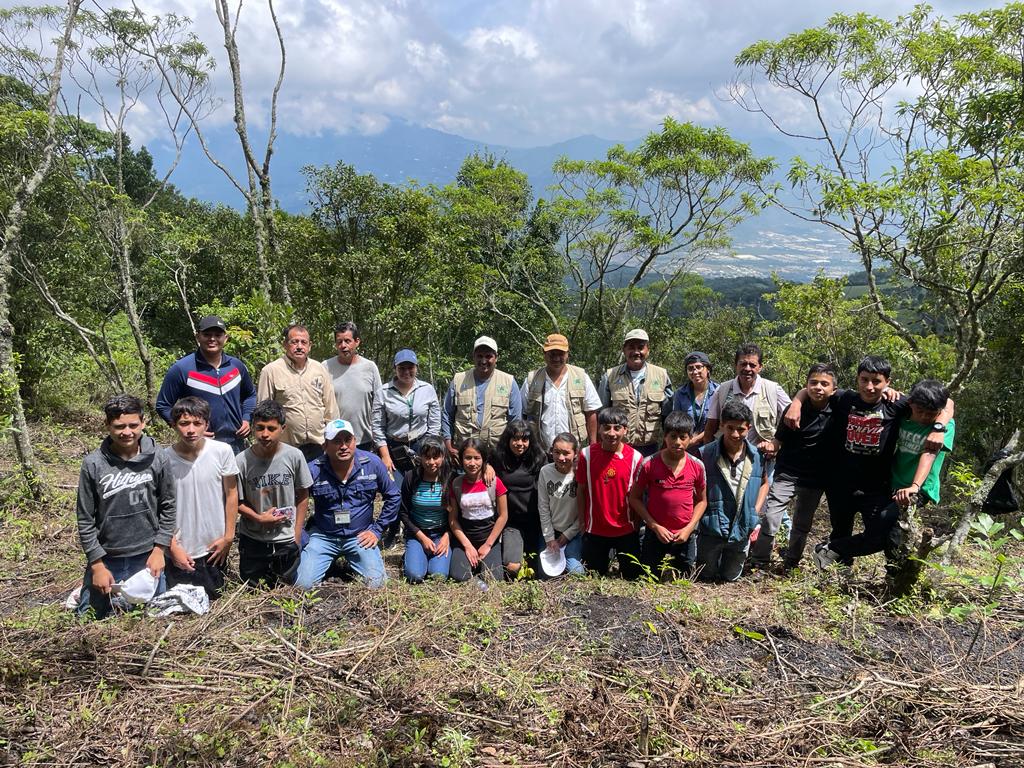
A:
(773, 241)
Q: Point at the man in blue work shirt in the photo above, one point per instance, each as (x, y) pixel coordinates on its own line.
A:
(346, 482)
(480, 401)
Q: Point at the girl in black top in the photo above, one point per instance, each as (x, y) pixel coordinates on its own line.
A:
(517, 460)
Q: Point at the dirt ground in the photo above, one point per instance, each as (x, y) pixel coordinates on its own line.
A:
(812, 669)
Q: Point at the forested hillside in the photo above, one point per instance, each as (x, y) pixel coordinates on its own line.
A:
(105, 267)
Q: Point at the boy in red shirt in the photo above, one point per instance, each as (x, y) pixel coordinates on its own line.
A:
(604, 474)
(676, 498)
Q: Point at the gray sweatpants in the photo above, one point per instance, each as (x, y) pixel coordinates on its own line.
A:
(785, 489)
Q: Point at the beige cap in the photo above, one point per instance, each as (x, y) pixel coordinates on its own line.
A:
(637, 334)
(486, 341)
(556, 341)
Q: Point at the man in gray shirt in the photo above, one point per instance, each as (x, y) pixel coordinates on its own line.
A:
(357, 386)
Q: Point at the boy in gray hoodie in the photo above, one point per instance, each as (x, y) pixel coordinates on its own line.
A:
(125, 506)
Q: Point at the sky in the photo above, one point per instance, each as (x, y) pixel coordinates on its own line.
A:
(513, 72)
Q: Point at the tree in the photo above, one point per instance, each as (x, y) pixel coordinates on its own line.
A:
(642, 218)
(257, 189)
(495, 220)
(928, 185)
(46, 77)
(919, 127)
(118, 184)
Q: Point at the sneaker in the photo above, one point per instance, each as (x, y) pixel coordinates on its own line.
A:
(823, 556)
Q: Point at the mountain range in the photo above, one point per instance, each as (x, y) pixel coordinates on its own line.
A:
(772, 241)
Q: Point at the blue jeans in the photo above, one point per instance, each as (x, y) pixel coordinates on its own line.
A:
(321, 551)
(418, 564)
(719, 559)
(122, 568)
(573, 555)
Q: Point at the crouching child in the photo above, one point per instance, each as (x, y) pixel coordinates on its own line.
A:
(275, 485)
(737, 487)
(125, 506)
(674, 484)
(205, 474)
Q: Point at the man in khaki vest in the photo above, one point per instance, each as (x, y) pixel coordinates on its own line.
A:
(766, 400)
(480, 401)
(641, 389)
(560, 397)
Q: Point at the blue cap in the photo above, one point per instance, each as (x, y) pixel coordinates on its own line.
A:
(405, 356)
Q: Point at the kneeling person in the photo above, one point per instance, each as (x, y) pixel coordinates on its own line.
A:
(676, 498)
(125, 506)
(604, 476)
(205, 475)
(274, 495)
(346, 481)
(737, 487)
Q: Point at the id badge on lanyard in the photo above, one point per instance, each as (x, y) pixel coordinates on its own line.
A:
(343, 516)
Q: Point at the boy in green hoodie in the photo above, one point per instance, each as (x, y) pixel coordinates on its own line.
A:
(125, 506)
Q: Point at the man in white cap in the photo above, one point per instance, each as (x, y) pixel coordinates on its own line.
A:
(346, 482)
(560, 397)
(641, 389)
(480, 401)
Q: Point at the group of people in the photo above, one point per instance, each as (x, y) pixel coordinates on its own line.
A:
(497, 479)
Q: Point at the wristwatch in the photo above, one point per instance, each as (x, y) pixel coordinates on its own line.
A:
(938, 427)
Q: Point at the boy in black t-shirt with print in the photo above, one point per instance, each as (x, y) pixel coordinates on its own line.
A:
(868, 426)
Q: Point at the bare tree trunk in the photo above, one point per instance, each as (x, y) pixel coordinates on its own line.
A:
(10, 387)
(122, 246)
(978, 499)
(260, 197)
(903, 568)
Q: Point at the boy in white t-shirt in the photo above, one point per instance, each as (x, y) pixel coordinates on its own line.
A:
(205, 475)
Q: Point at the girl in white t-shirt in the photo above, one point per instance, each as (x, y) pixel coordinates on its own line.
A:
(477, 514)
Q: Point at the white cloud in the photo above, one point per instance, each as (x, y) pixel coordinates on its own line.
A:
(518, 72)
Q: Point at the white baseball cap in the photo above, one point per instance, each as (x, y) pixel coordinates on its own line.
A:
(486, 341)
(334, 428)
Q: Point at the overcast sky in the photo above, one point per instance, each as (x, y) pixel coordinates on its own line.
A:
(515, 72)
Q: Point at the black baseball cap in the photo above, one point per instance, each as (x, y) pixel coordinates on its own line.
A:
(210, 322)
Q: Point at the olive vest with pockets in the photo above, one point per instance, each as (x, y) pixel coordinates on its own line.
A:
(575, 393)
(645, 413)
(501, 387)
(765, 410)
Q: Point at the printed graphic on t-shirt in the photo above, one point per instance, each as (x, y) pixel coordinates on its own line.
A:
(864, 432)
(476, 505)
(271, 479)
(911, 442)
(559, 489)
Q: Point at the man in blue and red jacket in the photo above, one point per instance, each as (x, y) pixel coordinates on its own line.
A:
(221, 380)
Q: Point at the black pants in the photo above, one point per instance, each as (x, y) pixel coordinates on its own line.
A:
(206, 575)
(267, 562)
(597, 551)
(664, 558)
(878, 513)
(489, 567)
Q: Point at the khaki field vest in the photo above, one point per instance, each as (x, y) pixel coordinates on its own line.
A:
(644, 414)
(500, 389)
(575, 399)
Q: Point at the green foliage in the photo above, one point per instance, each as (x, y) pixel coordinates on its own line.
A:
(255, 324)
(928, 187)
